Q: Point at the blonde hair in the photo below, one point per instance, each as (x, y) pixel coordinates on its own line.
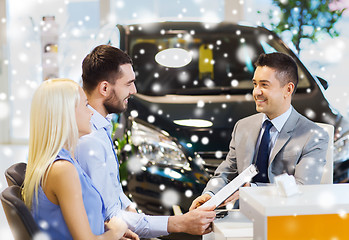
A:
(52, 127)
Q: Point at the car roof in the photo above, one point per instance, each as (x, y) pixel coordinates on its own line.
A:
(198, 27)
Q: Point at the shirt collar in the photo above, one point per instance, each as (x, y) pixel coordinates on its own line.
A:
(279, 121)
(99, 121)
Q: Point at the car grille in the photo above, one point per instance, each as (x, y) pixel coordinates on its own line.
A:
(211, 161)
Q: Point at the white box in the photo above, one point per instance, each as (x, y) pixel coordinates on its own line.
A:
(319, 212)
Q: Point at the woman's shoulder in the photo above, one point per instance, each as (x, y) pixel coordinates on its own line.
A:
(62, 168)
(62, 175)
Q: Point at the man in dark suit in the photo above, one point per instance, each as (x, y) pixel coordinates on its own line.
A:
(278, 139)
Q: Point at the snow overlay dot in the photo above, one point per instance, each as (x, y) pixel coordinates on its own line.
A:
(170, 197)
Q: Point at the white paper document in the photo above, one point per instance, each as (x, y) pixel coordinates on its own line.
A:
(231, 187)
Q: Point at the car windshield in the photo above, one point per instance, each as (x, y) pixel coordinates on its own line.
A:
(185, 62)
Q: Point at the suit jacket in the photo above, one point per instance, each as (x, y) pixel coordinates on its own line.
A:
(299, 150)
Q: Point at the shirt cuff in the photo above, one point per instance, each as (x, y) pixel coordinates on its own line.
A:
(158, 225)
(144, 225)
(209, 193)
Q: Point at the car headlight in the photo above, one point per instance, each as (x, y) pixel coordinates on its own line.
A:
(156, 146)
(341, 149)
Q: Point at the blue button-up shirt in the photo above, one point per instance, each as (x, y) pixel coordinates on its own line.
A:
(96, 155)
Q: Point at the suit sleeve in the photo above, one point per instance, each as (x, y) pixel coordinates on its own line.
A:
(310, 166)
(227, 170)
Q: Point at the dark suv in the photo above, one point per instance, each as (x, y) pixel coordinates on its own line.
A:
(194, 83)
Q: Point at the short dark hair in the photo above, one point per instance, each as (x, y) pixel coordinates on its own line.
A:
(102, 64)
(285, 66)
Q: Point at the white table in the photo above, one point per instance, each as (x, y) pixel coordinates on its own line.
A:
(318, 212)
(234, 226)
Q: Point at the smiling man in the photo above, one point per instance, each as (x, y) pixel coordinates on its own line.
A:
(109, 81)
(278, 139)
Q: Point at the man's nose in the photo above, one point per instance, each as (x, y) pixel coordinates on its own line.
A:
(133, 89)
(257, 91)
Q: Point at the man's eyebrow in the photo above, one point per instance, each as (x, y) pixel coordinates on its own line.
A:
(131, 81)
(262, 81)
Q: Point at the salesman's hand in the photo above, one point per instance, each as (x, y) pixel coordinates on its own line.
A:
(199, 201)
(233, 197)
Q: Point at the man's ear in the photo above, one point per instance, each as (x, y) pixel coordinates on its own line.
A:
(103, 88)
(290, 89)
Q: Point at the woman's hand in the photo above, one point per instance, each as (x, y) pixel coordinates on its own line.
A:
(116, 225)
(130, 235)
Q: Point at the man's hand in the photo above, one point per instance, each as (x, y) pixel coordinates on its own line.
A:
(196, 222)
(233, 197)
(199, 201)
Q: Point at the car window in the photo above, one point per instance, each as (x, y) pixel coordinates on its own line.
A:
(218, 62)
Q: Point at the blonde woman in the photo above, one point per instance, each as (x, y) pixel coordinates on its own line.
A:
(61, 196)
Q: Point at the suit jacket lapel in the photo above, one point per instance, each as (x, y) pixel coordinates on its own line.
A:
(252, 138)
(285, 133)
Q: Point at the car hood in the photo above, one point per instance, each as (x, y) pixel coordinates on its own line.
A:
(221, 110)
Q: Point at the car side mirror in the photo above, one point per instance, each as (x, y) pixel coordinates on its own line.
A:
(323, 82)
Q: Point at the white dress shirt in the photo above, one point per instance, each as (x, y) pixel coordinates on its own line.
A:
(278, 124)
